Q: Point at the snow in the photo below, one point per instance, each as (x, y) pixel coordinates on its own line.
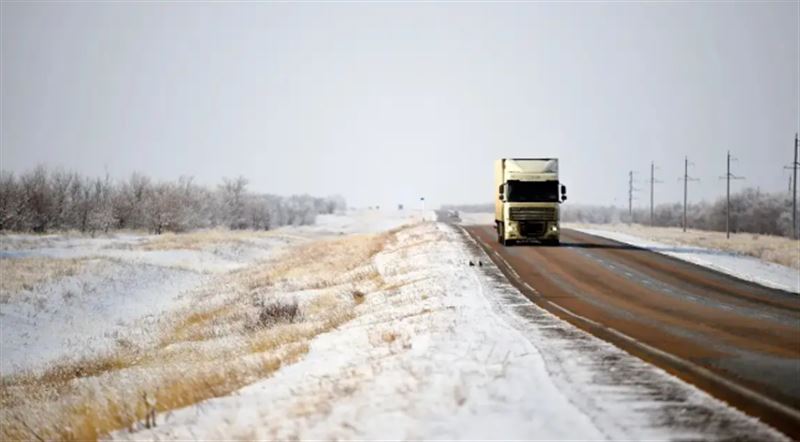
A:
(453, 351)
(89, 313)
(744, 267)
(116, 297)
(476, 218)
(361, 221)
(124, 289)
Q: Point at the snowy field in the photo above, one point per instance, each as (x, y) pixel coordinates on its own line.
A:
(396, 337)
(103, 291)
(111, 289)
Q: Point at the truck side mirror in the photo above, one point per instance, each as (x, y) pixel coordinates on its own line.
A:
(500, 193)
(563, 193)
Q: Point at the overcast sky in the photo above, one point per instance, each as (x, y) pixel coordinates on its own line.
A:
(385, 102)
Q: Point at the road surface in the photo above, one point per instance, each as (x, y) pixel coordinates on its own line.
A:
(737, 340)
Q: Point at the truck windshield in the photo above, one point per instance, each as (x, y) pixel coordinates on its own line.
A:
(533, 191)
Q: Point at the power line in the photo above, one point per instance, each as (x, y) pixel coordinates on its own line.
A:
(686, 178)
(728, 177)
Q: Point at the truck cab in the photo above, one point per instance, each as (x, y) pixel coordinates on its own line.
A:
(527, 198)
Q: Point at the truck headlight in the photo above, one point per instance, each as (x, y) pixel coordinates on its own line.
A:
(554, 228)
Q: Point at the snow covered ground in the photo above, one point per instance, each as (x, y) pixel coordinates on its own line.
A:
(123, 283)
(445, 350)
(738, 265)
(113, 297)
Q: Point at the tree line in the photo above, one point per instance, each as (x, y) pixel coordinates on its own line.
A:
(43, 200)
(752, 211)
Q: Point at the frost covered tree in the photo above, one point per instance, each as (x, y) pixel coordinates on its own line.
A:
(128, 202)
(37, 200)
(752, 211)
(232, 202)
(10, 202)
(40, 200)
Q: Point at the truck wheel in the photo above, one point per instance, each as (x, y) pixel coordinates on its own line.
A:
(500, 234)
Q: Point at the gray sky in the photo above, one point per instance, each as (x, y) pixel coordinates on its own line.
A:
(385, 102)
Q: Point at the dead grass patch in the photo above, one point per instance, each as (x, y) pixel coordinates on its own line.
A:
(321, 264)
(21, 274)
(389, 336)
(93, 412)
(201, 239)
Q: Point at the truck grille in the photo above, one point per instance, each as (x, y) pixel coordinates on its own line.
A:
(532, 229)
(532, 214)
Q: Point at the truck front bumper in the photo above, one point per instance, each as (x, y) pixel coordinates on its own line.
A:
(540, 230)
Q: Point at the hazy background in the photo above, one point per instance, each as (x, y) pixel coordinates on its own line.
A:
(385, 102)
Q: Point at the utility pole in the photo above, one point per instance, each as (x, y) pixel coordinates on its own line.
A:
(653, 181)
(728, 177)
(630, 197)
(631, 189)
(793, 180)
(686, 178)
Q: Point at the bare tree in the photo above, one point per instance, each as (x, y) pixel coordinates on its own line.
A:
(10, 202)
(101, 214)
(60, 182)
(232, 202)
(40, 200)
(37, 200)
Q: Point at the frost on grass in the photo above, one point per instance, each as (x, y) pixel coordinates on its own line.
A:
(25, 274)
(239, 329)
(203, 239)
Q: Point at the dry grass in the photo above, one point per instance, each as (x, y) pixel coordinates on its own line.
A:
(776, 249)
(212, 349)
(322, 263)
(72, 410)
(20, 274)
(200, 239)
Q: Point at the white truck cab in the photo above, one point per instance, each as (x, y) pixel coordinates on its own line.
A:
(528, 194)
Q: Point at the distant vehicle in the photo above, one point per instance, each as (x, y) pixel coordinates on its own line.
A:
(528, 194)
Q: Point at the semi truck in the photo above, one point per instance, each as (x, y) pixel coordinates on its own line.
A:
(528, 194)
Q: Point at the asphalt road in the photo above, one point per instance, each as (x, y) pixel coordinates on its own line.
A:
(735, 339)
